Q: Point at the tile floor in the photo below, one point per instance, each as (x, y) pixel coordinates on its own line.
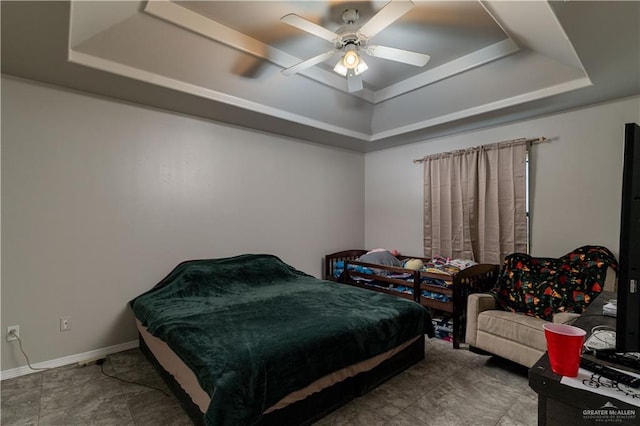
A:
(450, 387)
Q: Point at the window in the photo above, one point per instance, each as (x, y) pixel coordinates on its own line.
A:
(475, 202)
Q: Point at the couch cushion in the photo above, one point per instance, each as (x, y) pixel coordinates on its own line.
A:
(519, 328)
(540, 287)
(514, 351)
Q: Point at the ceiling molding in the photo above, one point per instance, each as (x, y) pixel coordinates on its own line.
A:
(533, 25)
(171, 83)
(88, 19)
(503, 15)
(503, 103)
(552, 60)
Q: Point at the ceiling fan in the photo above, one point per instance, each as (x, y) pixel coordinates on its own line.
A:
(350, 41)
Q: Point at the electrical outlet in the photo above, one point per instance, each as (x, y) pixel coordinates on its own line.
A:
(65, 323)
(16, 332)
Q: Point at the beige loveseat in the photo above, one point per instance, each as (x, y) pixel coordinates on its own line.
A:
(517, 337)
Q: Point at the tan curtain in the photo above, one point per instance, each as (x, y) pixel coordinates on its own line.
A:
(475, 202)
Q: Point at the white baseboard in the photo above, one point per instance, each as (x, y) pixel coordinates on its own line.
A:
(70, 359)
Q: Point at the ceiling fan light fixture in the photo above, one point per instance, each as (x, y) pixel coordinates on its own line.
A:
(351, 63)
(349, 40)
(350, 59)
(340, 68)
(362, 67)
(350, 72)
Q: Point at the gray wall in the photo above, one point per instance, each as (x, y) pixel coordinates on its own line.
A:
(576, 177)
(100, 200)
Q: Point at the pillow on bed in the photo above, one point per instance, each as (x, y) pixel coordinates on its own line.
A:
(413, 264)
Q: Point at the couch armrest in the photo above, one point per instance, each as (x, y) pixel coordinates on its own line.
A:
(611, 280)
(565, 317)
(477, 303)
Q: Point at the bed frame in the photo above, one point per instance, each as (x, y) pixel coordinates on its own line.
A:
(315, 406)
(475, 279)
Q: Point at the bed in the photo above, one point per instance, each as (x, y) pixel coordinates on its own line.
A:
(250, 340)
(443, 293)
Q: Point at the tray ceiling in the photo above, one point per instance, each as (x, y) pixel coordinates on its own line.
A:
(427, 28)
(490, 61)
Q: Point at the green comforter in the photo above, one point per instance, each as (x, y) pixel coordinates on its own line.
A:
(253, 329)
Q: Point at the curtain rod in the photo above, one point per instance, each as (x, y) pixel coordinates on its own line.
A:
(532, 141)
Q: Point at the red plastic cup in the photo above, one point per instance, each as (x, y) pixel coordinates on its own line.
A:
(564, 344)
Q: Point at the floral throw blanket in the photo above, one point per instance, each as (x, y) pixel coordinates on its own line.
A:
(541, 287)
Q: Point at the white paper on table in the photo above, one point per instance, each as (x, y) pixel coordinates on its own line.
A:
(593, 382)
(610, 309)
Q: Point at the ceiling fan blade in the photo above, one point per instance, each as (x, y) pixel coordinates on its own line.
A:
(398, 55)
(308, 63)
(385, 17)
(354, 84)
(310, 27)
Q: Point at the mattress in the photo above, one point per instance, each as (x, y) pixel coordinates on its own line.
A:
(189, 383)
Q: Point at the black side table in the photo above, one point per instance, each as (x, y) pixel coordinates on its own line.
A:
(563, 405)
